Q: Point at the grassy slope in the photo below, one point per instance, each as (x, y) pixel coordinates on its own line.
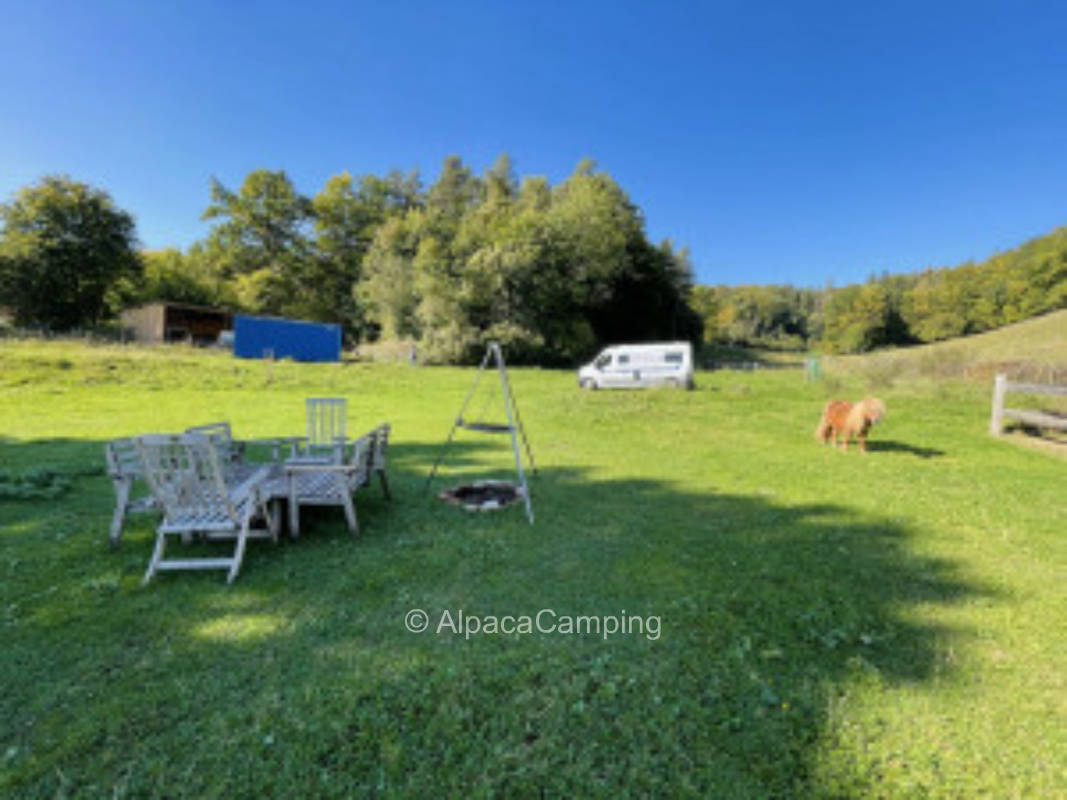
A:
(1039, 340)
(1035, 349)
(832, 624)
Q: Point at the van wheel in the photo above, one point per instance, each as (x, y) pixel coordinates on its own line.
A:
(589, 384)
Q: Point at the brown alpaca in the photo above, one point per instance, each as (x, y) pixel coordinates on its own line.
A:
(834, 414)
(842, 417)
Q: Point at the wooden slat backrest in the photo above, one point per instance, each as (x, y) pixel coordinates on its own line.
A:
(123, 460)
(221, 436)
(231, 452)
(219, 430)
(186, 476)
(325, 420)
(363, 455)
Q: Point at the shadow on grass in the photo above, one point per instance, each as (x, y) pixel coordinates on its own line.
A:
(302, 679)
(1047, 441)
(890, 446)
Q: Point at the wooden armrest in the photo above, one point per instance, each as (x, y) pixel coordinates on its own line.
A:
(322, 467)
(265, 440)
(250, 486)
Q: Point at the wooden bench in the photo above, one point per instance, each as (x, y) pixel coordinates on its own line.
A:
(1035, 418)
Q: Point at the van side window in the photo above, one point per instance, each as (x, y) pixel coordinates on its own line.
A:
(674, 357)
(603, 361)
(624, 360)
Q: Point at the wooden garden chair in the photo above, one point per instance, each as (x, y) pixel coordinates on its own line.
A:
(187, 477)
(332, 483)
(124, 469)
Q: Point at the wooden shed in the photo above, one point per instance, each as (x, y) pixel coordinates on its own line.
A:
(175, 322)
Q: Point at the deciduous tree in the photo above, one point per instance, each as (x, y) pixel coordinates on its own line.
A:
(63, 246)
(261, 242)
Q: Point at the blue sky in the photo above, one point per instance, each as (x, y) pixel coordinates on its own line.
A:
(782, 142)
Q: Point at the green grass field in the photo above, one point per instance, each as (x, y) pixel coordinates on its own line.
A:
(831, 624)
(1032, 350)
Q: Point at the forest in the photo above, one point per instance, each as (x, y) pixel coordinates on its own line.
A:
(926, 306)
(551, 271)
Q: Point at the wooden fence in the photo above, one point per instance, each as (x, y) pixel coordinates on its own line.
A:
(1038, 419)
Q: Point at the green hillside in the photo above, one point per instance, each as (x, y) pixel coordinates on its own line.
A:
(921, 307)
(1032, 350)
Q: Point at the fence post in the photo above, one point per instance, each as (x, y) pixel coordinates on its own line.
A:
(996, 424)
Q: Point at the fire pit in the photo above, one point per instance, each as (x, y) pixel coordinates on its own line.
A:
(483, 495)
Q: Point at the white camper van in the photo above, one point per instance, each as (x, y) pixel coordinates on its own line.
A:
(633, 366)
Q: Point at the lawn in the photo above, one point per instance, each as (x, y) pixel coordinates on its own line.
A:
(829, 624)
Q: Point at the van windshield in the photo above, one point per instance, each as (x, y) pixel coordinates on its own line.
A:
(603, 361)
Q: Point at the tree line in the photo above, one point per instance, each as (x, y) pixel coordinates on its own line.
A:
(552, 272)
(926, 306)
(549, 271)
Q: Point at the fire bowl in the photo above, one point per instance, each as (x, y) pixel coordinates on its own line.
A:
(483, 495)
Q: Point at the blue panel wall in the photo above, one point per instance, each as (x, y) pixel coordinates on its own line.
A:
(262, 337)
